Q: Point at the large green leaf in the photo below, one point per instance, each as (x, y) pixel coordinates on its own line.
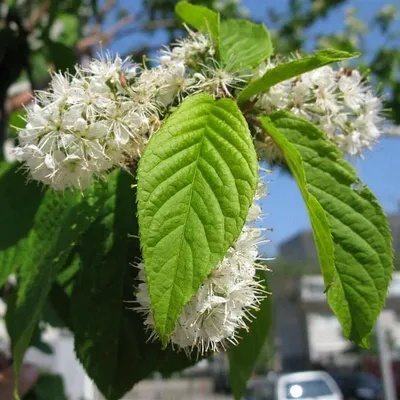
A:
(196, 182)
(292, 69)
(199, 17)
(110, 338)
(243, 357)
(350, 229)
(102, 331)
(58, 224)
(243, 44)
(19, 202)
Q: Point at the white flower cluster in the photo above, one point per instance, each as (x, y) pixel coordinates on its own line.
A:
(204, 74)
(104, 114)
(339, 101)
(225, 301)
(84, 124)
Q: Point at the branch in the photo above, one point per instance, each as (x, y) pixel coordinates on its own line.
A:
(99, 16)
(36, 15)
(104, 37)
(150, 26)
(16, 102)
(107, 7)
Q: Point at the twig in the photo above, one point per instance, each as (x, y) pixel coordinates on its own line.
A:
(107, 7)
(35, 17)
(16, 102)
(103, 37)
(153, 25)
(249, 105)
(252, 119)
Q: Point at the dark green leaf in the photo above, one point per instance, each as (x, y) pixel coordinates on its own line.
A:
(38, 343)
(48, 387)
(67, 277)
(350, 229)
(199, 17)
(59, 301)
(40, 66)
(63, 57)
(50, 313)
(58, 224)
(243, 357)
(243, 44)
(110, 338)
(16, 121)
(196, 182)
(102, 331)
(292, 69)
(19, 201)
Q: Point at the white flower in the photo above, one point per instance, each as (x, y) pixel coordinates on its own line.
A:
(225, 301)
(172, 83)
(107, 68)
(196, 45)
(217, 81)
(84, 125)
(104, 115)
(339, 101)
(350, 84)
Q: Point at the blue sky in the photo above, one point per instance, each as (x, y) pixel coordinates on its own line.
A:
(380, 169)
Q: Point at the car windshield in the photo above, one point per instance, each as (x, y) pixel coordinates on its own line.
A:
(306, 389)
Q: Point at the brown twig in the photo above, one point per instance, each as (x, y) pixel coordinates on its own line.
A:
(103, 37)
(253, 120)
(249, 105)
(16, 102)
(150, 26)
(107, 7)
(36, 15)
(96, 29)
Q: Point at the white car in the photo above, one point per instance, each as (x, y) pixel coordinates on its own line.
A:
(310, 385)
(306, 386)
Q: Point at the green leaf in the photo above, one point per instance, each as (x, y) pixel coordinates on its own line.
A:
(19, 202)
(48, 387)
(50, 314)
(60, 46)
(196, 182)
(350, 229)
(199, 17)
(16, 121)
(70, 31)
(66, 278)
(243, 357)
(243, 44)
(58, 224)
(292, 69)
(63, 57)
(104, 338)
(38, 343)
(110, 338)
(40, 65)
(59, 300)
